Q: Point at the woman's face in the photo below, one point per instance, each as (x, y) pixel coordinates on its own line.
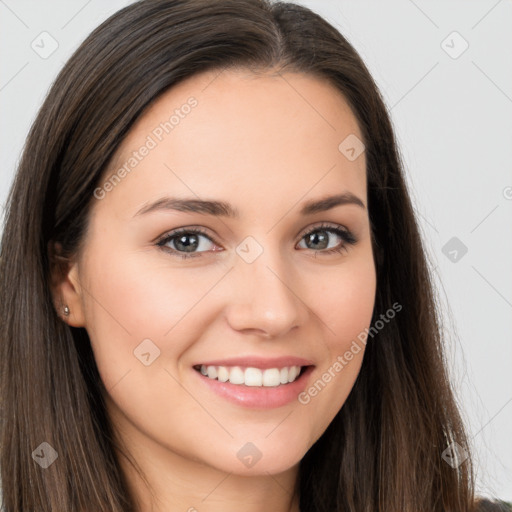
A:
(266, 286)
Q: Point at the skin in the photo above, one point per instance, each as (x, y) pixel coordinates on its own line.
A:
(265, 144)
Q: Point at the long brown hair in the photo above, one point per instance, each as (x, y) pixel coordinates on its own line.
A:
(383, 450)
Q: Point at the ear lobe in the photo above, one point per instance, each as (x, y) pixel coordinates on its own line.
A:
(65, 285)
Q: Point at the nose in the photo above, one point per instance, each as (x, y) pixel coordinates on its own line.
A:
(263, 299)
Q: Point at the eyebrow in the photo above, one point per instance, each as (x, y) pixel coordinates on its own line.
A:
(223, 209)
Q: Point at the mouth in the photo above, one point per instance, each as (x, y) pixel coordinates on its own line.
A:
(252, 376)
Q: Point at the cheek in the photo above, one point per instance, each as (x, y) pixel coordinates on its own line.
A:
(129, 303)
(346, 302)
(345, 310)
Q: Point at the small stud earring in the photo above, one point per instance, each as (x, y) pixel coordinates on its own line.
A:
(66, 310)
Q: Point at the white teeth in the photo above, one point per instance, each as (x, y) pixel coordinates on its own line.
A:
(254, 377)
(222, 374)
(292, 373)
(271, 377)
(236, 375)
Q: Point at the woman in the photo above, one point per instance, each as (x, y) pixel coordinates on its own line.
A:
(214, 291)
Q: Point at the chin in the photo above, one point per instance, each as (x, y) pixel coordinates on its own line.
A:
(249, 460)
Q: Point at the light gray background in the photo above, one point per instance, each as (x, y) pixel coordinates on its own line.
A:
(453, 118)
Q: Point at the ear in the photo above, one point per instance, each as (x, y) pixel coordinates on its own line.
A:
(65, 286)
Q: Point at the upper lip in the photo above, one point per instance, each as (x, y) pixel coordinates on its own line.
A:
(259, 362)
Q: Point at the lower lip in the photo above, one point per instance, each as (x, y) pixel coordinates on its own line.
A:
(260, 397)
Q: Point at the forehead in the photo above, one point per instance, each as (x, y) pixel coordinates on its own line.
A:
(221, 133)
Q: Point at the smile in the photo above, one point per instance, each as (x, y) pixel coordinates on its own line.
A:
(250, 376)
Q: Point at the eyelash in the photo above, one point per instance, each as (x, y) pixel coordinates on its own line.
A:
(347, 237)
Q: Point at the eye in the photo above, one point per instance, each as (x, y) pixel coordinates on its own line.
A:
(185, 241)
(320, 237)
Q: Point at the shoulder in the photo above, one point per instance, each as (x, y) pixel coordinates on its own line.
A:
(486, 505)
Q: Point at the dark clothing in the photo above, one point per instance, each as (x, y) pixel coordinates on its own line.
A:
(485, 505)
